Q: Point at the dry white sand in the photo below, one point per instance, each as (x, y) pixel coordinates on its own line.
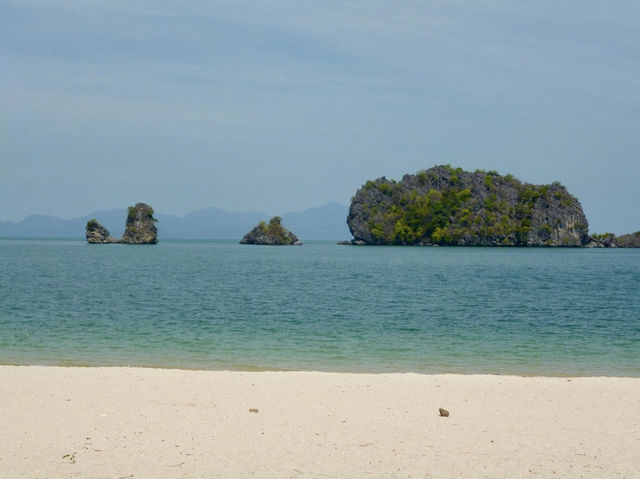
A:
(149, 423)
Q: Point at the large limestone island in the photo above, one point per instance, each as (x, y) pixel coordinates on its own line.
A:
(270, 234)
(449, 206)
(140, 228)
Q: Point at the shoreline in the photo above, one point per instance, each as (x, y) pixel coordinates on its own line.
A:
(149, 422)
(267, 369)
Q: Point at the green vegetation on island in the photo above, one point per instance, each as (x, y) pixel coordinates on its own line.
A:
(450, 206)
(92, 224)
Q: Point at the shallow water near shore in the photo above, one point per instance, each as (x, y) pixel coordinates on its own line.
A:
(321, 306)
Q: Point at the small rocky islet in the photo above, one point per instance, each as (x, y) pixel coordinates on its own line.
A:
(140, 228)
(609, 240)
(451, 207)
(270, 234)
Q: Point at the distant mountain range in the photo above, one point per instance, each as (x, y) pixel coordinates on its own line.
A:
(326, 222)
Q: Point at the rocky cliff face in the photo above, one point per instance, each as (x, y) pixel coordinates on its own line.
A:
(631, 240)
(609, 240)
(98, 234)
(140, 227)
(270, 234)
(448, 206)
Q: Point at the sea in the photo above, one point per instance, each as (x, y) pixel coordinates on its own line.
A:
(219, 305)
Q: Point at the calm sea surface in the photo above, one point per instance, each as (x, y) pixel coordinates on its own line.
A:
(220, 305)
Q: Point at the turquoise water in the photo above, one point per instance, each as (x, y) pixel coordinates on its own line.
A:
(220, 305)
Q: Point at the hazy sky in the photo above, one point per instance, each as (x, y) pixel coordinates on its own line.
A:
(276, 105)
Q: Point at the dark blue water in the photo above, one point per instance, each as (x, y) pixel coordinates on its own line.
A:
(220, 305)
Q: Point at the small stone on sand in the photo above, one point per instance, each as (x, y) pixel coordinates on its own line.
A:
(443, 412)
(253, 410)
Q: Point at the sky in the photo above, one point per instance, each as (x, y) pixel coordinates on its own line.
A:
(277, 106)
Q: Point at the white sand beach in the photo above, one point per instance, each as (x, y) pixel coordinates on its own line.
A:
(150, 423)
